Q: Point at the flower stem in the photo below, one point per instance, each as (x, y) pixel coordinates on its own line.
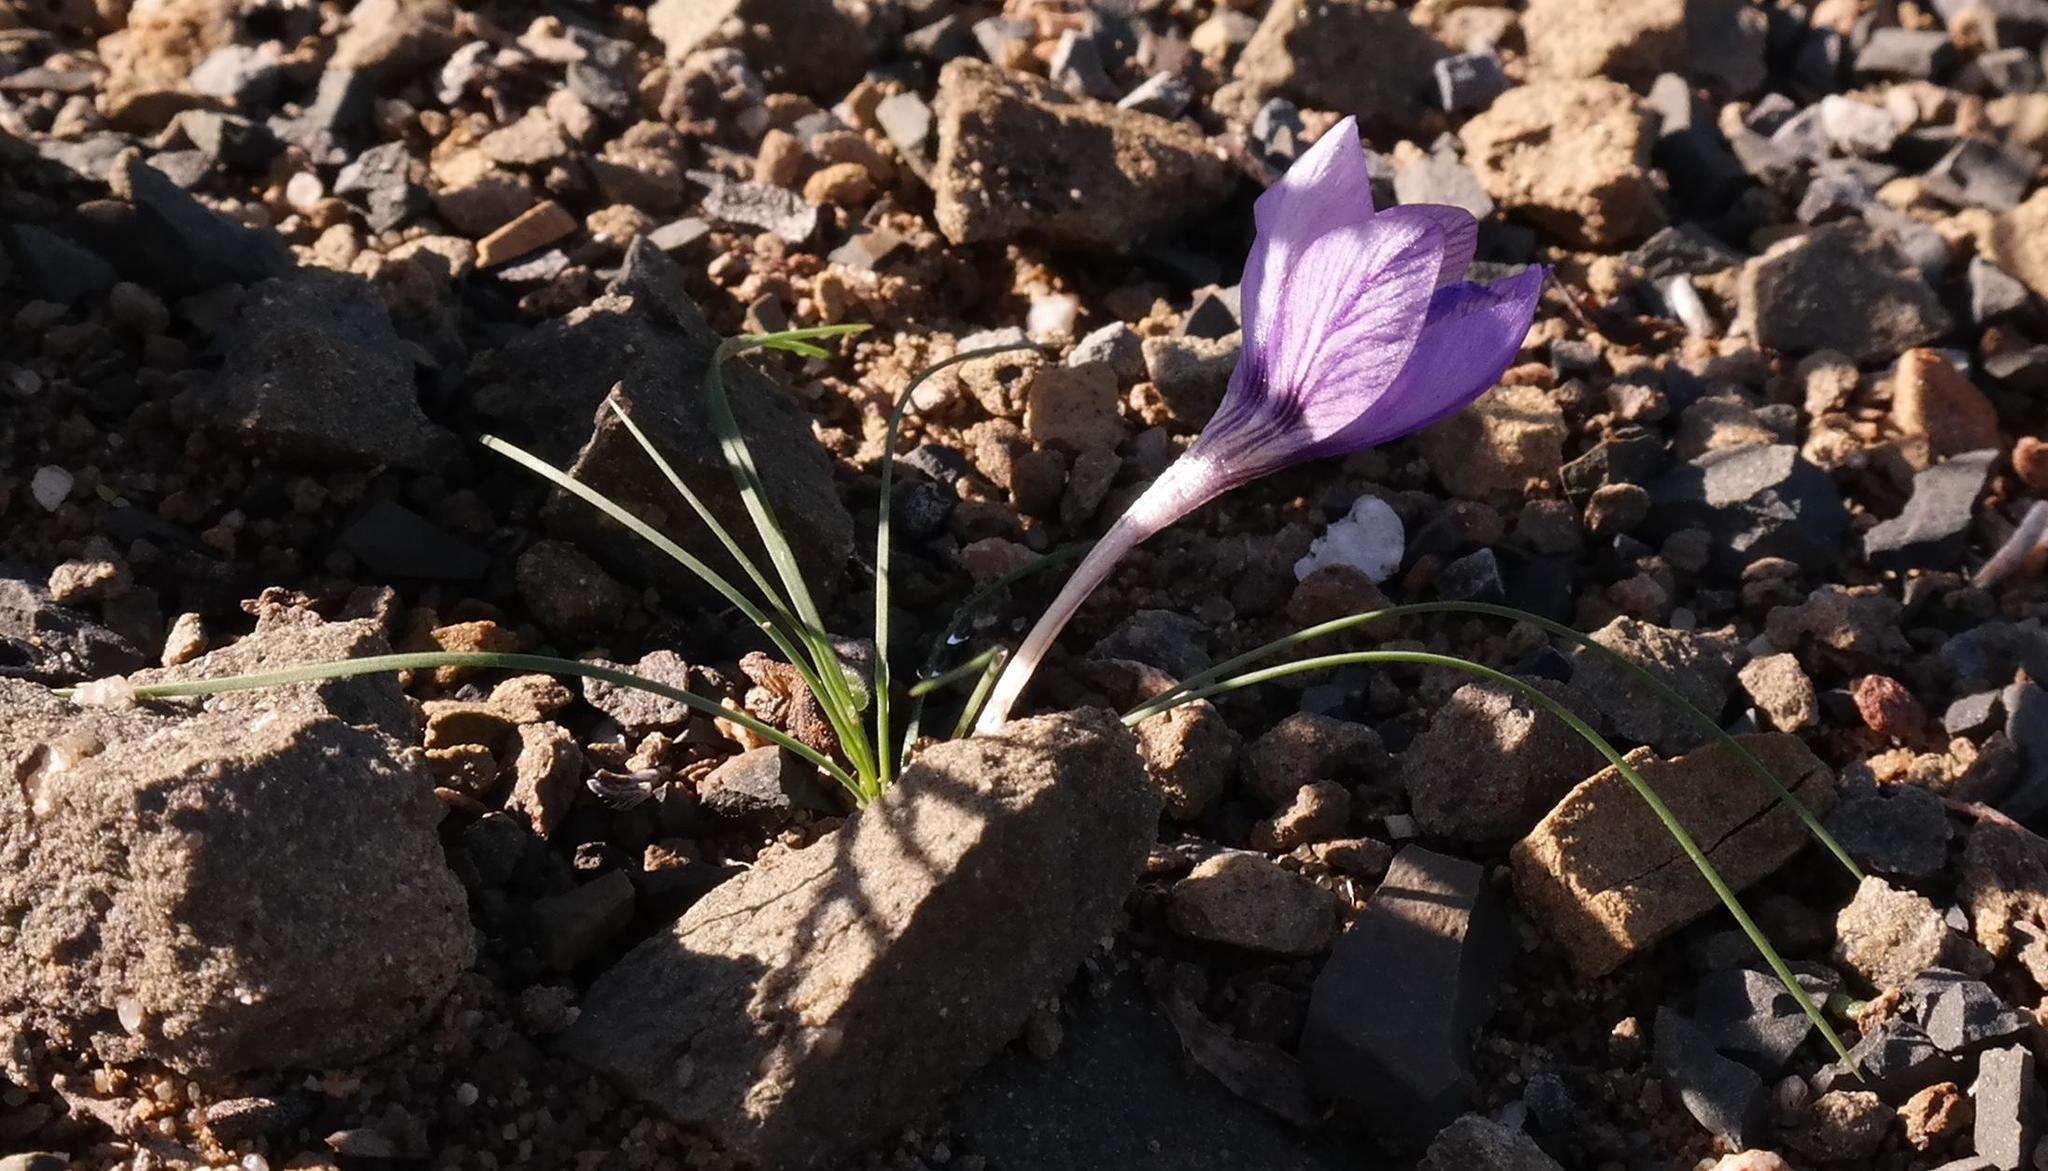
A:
(1182, 487)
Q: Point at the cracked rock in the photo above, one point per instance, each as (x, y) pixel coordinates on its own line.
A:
(781, 1031)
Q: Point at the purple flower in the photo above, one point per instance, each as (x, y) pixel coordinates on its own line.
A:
(1358, 328)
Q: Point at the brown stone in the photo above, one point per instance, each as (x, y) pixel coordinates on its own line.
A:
(1937, 404)
(1602, 876)
(533, 229)
(1020, 158)
(1572, 157)
(1351, 56)
(1629, 40)
(824, 998)
(1493, 448)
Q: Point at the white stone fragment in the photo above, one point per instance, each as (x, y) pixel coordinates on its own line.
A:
(1053, 316)
(50, 485)
(1369, 538)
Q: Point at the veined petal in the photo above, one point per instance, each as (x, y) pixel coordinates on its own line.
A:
(1335, 332)
(1473, 331)
(1327, 187)
(1461, 235)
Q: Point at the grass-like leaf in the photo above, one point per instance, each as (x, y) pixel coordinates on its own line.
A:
(831, 689)
(883, 546)
(1642, 674)
(956, 628)
(546, 664)
(1537, 696)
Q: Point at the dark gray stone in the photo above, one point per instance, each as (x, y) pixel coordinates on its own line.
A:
(1724, 1096)
(1959, 1014)
(1077, 67)
(1897, 1059)
(2008, 1097)
(1995, 294)
(380, 180)
(1840, 287)
(51, 267)
(1442, 178)
(1757, 501)
(1468, 82)
(1934, 528)
(1121, 1093)
(1475, 577)
(1172, 642)
(177, 245)
(1213, 315)
(1749, 1016)
(316, 373)
(48, 643)
(548, 390)
(341, 103)
(1906, 54)
(1980, 173)
(1165, 94)
(1974, 713)
(2026, 725)
(1902, 831)
(1391, 1019)
(228, 141)
(391, 540)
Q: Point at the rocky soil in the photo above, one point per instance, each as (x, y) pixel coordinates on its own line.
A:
(269, 269)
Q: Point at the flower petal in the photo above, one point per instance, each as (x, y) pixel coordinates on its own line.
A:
(1461, 235)
(1327, 187)
(1333, 333)
(1472, 334)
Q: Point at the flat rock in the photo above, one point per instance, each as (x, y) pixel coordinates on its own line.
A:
(1755, 501)
(176, 245)
(315, 372)
(1749, 1016)
(1246, 900)
(1572, 157)
(1902, 831)
(1476, 1143)
(1490, 764)
(220, 893)
(1838, 287)
(1121, 1093)
(773, 1016)
(1700, 667)
(2010, 1107)
(287, 637)
(1392, 1016)
(1602, 877)
(1934, 528)
(1347, 56)
(816, 48)
(1889, 935)
(647, 347)
(1020, 158)
(1724, 1096)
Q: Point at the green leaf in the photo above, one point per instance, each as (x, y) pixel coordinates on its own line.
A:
(1537, 696)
